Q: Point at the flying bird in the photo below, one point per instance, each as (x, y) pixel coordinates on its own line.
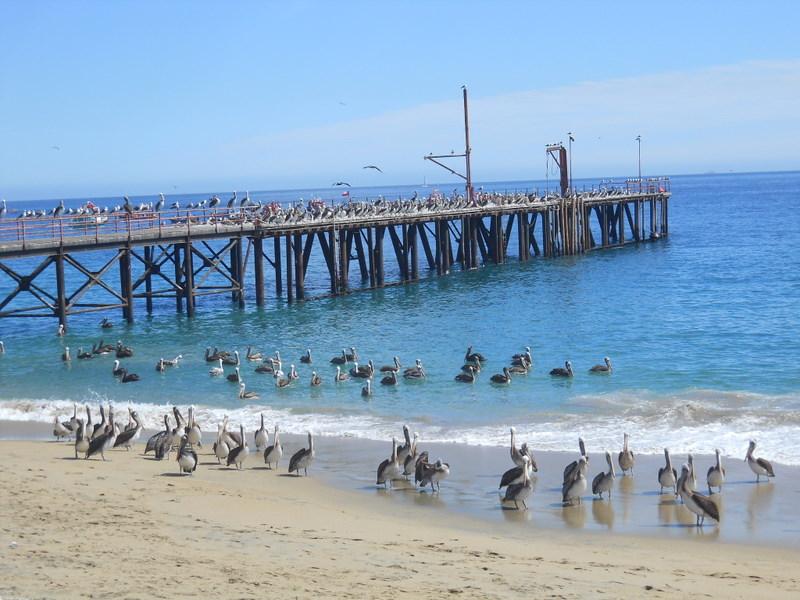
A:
(342, 183)
(55, 147)
(374, 167)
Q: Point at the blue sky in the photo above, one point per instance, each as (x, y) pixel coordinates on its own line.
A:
(141, 97)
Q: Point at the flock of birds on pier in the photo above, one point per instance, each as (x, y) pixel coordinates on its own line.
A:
(237, 210)
(232, 449)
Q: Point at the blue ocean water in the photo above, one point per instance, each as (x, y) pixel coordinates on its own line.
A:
(703, 329)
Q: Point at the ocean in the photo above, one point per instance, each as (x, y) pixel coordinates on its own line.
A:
(703, 329)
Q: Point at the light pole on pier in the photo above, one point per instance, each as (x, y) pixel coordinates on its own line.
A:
(639, 140)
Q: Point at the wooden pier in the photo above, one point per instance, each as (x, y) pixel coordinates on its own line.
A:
(175, 253)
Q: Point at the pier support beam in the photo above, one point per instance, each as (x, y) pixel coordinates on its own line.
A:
(176, 259)
(277, 250)
(258, 265)
(413, 234)
(126, 286)
(188, 278)
(289, 267)
(148, 279)
(378, 252)
(61, 290)
(299, 268)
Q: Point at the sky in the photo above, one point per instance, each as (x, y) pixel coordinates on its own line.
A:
(111, 98)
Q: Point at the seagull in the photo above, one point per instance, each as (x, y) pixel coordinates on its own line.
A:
(341, 183)
(377, 168)
(55, 147)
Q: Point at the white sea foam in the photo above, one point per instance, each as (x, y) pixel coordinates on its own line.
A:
(695, 421)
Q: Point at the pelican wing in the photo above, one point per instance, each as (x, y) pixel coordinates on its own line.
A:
(765, 464)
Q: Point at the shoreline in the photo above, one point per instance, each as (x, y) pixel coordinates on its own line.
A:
(752, 514)
(133, 528)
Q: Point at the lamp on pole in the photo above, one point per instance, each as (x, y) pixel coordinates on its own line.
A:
(639, 140)
(571, 139)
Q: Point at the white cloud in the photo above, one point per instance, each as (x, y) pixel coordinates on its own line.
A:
(720, 118)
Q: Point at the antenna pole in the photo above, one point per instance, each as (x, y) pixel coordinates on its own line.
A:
(467, 149)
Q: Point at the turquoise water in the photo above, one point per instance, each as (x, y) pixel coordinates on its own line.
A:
(702, 327)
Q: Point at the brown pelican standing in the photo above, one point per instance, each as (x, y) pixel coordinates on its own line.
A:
(759, 466)
(59, 431)
(187, 457)
(303, 458)
(691, 483)
(575, 484)
(603, 481)
(516, 475)
(716, 474)
(81, 438)
(128, 437)
(700, 505)
(520, 492)
(155, 438)
(433, 474)
(273, 453)
(193, 430)
(563, 372)
(569, 470)
(100, 428)
(625, 458)
(221, 447)
(261, 436)
(105, 441)
(667, 475)
(239, 454)
(605, 368)
(389, 469)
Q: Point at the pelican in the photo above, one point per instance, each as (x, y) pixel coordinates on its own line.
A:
(81, 438)
(691, 483)
(128, 377)
(303, 458)
(390, 379)
(525, 359)
(516, 475)
(274, 452)
(316, 380)
(218, 371)
(193, 430)
(433, 474)
(367, 389)
(716, 474)
(221, 447)
(395, 368)
(759, 466)
(604, 481)
(606, 368)
(625, 458)
(416, 372)
(261, 436)
(156, 438)
(341, 376)
(467, 377)
(569, 471)
(59, 430)
(419, 466)
(306, 358)
(84, 355)
(128, 437)
(244, 394)
(700, 505)
(104, 441)
(389, 469)
(279, 382)
(99, 428)
(123, 351)
(575, 485)
(565, 372)
(473, 368)
(254, 356)
(351, 356)
(503, 379)
(517, 455)
(667, 475)
(234, 377)
(239, 454)
(518, 370)
(106, 324)
(470, 356)
(160, 366)
(187, 457)
(268, 368)
(65, 356)
(361, 372)
(340, 360)
(61, 332)
(173, 363)
(232, 361)
(521, 491)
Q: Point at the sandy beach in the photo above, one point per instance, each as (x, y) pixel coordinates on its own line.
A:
(132, 528)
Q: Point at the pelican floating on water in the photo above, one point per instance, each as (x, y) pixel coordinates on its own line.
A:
(604, 368)
(716, 474)
(503, 379)
(415, 372)
(341, 376)
(65, 356)
(316, 380)
(760, 466)
(246, 395)
(566, 371)
(366, 391)
(306, 358)
(394, 368)
(467, 376)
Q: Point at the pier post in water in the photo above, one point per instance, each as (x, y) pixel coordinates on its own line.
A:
(188, 278)
(258, 265)
(299, 268)
(148, 278)
(379, 233)
(289, 268)
(277, 264)
(61, 290)
(176, 259)
(126, 284)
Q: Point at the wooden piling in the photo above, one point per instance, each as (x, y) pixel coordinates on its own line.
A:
(61, 290)
(378, 252)
(188, 277)
(258, 265)
(277, 264)
(148, 278)
(413, 234)
(126, 284)
(176, 259)
(289, 268)
(299, 269)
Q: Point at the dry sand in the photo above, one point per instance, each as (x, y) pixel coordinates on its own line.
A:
(132, 528)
